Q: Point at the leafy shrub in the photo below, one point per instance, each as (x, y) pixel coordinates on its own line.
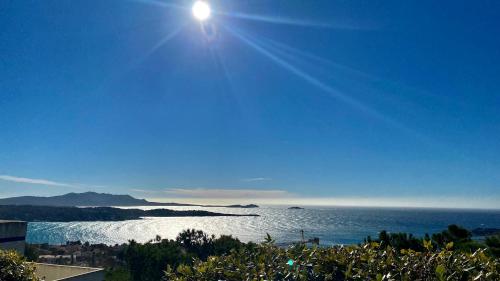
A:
(367, 262)
(14, 268)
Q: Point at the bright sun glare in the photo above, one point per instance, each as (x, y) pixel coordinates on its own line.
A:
(201, 10)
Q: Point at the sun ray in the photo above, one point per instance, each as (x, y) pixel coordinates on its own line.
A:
(289, 21)
(298, 72)
(164, 40)
(161, 4)
(218, 63)
(293, 53)
(311, 56)
(137, 61)
(256, 45)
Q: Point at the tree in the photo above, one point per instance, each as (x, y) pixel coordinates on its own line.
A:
(398, 241)
(460, 237)
(146, 261)
(225, 243)
(196, 242)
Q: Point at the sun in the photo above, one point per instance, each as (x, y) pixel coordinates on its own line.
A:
(201, 10)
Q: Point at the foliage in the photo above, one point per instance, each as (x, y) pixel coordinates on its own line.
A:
(493, 243)
(14, 268)
(31, 253)
(194, 255)
(225, 243)
(196, 242)
(367, 262)
(398, 241)
(117, 274)
(458, 236)
(146, 262)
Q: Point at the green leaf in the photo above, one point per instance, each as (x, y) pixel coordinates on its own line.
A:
(428, 245)
(440, 272)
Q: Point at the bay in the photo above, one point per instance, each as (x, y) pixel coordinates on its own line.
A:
(333, 225)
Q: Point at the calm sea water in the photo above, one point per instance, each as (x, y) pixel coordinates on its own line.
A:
(333, 225)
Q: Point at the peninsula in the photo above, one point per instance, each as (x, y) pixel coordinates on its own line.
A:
(68, 214)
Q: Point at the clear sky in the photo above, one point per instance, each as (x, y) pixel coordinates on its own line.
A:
(310, 101)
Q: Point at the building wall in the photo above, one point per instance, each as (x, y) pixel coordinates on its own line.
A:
(13, 235)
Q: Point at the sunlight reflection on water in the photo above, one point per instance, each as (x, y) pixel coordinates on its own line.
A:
(333, 225)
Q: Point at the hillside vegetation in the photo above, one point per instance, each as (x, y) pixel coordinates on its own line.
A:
(194, 255)
(366, 262)
(67, 214)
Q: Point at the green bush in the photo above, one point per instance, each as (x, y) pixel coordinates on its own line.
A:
(14, 268)
(367, 262)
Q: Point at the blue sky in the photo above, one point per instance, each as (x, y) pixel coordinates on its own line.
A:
(306, 100)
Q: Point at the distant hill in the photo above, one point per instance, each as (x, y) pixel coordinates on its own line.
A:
(95, 200)
(76, 199)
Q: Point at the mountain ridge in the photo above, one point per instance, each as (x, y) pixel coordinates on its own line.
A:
(95, 199)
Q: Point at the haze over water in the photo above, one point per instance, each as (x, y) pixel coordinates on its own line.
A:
(333, 225)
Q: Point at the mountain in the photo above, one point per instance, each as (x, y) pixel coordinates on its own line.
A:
(93, 199)
(83, 199)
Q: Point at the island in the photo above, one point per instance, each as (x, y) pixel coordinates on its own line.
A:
(295, 208)
(69, 214)
(243, 206)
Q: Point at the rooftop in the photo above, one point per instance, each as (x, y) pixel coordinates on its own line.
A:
(9, 221)
(53, 272)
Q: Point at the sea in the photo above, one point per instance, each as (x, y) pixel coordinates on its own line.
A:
(332, 225)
